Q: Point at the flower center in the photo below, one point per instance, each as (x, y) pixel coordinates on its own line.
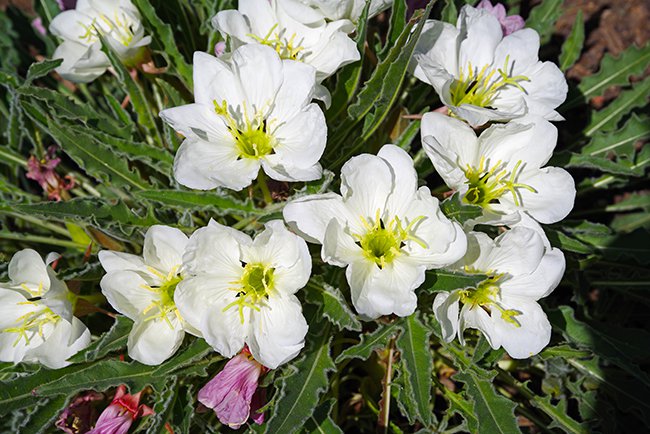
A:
(164, 305)
(253, 288)
(286, 48)
(488, 186)
(484, 296)
(251, 139)
(119, 26)
(32, 323)
(382, 242)
(480, 88)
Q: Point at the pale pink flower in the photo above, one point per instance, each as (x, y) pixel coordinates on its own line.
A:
(233, 392)
(123, 411)
(43, 171)
(509, 24)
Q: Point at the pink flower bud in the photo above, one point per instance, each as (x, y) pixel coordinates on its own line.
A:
(233, 392)
(43, 171)
(118, 417)
(219, 48)
(509, 24)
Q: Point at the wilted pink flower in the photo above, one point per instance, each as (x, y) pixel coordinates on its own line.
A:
(118, 417)
(233, 392)
(219, 48)
(508, 24)
(37, 24)
(80, 414)
(43, 172)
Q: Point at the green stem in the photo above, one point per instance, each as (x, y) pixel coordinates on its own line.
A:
(40, 239)
(54, 228)
(261, 182)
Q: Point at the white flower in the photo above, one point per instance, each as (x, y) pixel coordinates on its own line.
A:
(504, 306)
(142, 288)
(501, 170)
(482, 76)
(117, 21)
(253, 112)
(295, 31)
(36, 321)
(239, 291)
(347, 9)
(383, 228)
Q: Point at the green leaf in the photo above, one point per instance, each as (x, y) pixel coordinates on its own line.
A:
(445, 281)
(494, 412)
(454, 208)
(621, 167)
(607, 119)
(300, 391)
(638, 200)
(41, 69)
(572, 47)
(372, 341)
(113, 340)
(199, 200)
(163, 407)
(620, 142)
(417, 364)
(331, 304)
(397, 24)
(559, 415)
(11, 157)
(449, 12)
(321, 421)
(43, 416)
(543, 17)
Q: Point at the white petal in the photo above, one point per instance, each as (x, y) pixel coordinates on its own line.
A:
(366, 182)
(296, 90)
(65, 340)
(533, 333)
(339, 247)
(404, 175)
(301, 139)
(477, 318)
(437, 48)
(277, 332)
(281, 171)
(119, 261)
(517, 251)
(213, 250)
(546, 90)
(310, 215)
(127, 292)
(27, 268)
(153, 341)
(334, 50)
(198, 121)
(163, 248)
(214, 81)
(483, 36)
(542, 281)
(446, 309)
(81, 63)
(13, 305)
(260, 89)
(519, 49)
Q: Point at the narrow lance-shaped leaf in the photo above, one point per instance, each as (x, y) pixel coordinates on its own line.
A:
(573, 45)
(332, 304)
(371, 341)
(113, 340)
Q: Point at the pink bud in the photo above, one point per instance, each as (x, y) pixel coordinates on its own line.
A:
(118, 417)
(43, 171)
(219, 48)
(509, 24)
(232, 392)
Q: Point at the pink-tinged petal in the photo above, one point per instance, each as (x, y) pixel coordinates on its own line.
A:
(231, 391)
(259, 400)
(113, 420)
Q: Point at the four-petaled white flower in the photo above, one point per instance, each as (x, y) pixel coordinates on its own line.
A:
(253, 112)
(295, 31)
(504, 307)
(36, 320)
(383, 228)
(117, 21)
(142, 288)
(501, 170)
(347, 9)
(239, 291)
(482, 76)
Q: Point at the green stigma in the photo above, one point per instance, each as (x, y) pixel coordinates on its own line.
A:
(488, 186)
(484, 296)
(382, 243)
(253, 288)
(252, 139)
(480, 88)
(164, 304)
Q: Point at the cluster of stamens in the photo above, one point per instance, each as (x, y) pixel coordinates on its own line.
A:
(252, 289)
(382, 243)
(121, 28)
(252, 139)
(485, 295)
(32, 322)
(480, 88)
(163, 306)
(487, 186)
(286, 48)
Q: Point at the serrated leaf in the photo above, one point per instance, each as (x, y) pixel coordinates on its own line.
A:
(199, 200)
(41, 69)
(572, 46)
(494, 412)
(371, 341)
(605, 165)
(331, 303)
(620, 142)
(321, 421)
(300, 391)
(638, 200)
(454, 208)
(113, 340)
(445, 281)
(163, 407)
(397, 24)
(417, 367)
(42, 417)
(543, 17)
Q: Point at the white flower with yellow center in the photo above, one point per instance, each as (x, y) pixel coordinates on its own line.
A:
(252, 112)
(295, 31)
(36, 320)
(502, 169)
(504, 307)
(482, 76)
(117, 21)
(383, 228)
(239, 291)
(142, 288)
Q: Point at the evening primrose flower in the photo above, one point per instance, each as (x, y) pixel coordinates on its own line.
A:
(142, 288)
(117, 21)
(252, 112)
(502, 169)
(504, 307)
(295, 31)
(36, 320)
(239, 291)
(482, 76)
(383, 228)
(118, 417)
